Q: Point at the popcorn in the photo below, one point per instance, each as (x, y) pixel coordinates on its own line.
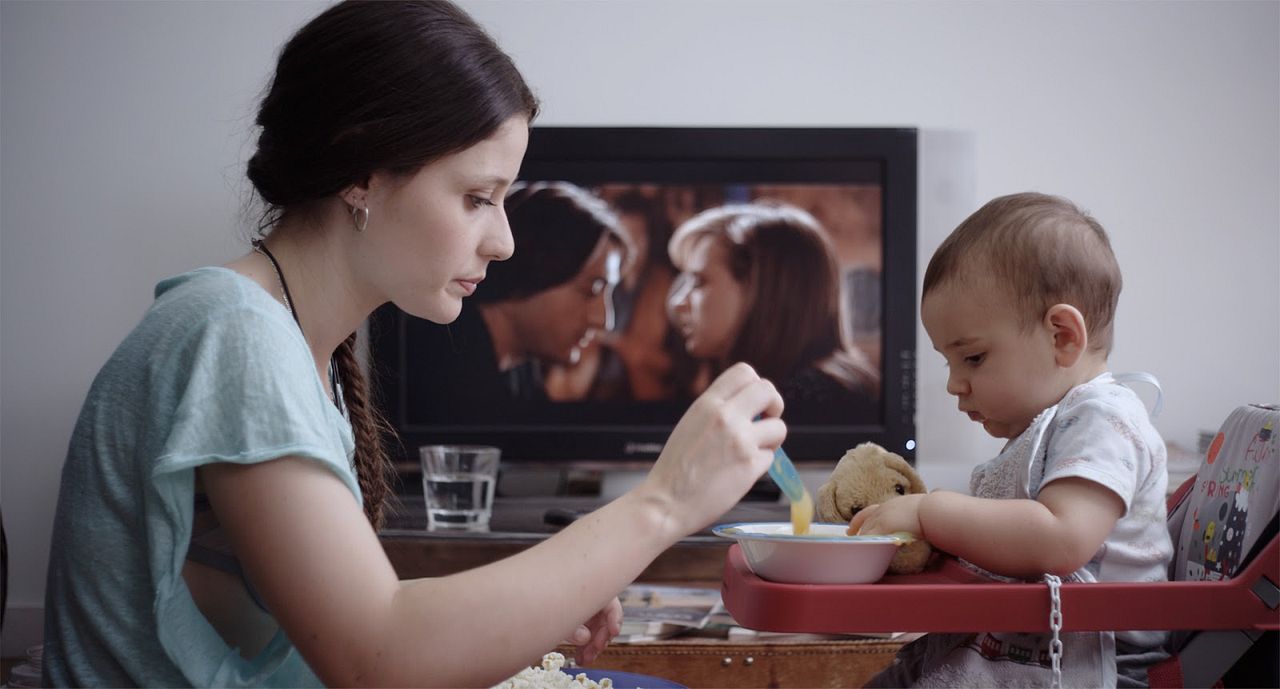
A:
(552, 661)
(549, 676)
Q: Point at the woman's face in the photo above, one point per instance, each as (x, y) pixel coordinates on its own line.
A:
(556, 323)
(431, 235)
(706, 303)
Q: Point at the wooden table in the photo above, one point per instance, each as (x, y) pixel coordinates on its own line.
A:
(517, 523)
(711, 664)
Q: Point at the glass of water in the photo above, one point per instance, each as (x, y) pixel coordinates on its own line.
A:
(458, 483)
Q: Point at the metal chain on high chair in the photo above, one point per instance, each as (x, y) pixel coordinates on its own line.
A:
(1055, 625)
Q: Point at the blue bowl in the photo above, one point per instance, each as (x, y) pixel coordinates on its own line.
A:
(623, 680)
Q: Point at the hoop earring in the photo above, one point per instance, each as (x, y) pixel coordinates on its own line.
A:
(360, 216)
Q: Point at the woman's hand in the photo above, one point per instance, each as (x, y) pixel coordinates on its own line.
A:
(592, 636)
(898, 514)
(717, 450)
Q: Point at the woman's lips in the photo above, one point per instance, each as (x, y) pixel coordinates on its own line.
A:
(469, 284)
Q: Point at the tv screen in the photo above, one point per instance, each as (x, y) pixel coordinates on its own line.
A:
(644, 323)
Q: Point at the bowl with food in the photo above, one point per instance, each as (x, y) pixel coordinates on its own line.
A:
(554, 673)
(824, 555)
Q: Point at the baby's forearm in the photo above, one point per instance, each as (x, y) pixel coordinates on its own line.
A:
(1020, 538)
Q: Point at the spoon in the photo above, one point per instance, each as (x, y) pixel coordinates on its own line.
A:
(783, 472)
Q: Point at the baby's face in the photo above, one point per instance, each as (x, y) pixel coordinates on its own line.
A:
(1002, 373)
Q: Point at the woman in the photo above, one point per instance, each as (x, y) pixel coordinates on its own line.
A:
(760, 284)
(235, 414)
(522, 335)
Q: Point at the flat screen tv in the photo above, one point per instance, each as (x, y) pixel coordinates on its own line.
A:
(618, 401)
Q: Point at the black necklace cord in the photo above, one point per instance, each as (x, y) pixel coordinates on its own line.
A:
(261, 247)
(334, 383)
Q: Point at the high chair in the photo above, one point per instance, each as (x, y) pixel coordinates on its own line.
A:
(1221, 598)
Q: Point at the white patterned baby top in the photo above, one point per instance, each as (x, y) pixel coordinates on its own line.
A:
(1100, 432)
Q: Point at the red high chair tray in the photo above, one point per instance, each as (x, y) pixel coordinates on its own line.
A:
(947, 597)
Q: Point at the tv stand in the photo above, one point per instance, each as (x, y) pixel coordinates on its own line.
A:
(615, 482)
(546, 480)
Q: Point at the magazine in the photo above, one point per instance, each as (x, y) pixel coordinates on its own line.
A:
(653, 611)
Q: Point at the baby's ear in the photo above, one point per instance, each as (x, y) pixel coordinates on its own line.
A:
(1070, 334)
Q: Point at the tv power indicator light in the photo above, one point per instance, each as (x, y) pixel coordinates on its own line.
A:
(911, 445)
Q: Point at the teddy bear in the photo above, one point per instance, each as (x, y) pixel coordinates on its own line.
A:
(868, 475)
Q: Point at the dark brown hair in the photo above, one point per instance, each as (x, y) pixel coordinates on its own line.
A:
(556, 227)
(368, 86)
(1042, 250)
(781, 254)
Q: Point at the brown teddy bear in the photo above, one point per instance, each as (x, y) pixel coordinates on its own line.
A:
(868, 475)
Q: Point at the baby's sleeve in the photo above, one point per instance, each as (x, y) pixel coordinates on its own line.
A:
(1096, 441)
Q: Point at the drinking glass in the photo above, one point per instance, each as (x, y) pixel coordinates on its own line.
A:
(458, 483)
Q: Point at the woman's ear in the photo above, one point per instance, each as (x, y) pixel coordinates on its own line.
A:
(1070, 334)
(357, 195)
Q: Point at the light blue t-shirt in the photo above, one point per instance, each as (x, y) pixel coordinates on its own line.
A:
(217, 371)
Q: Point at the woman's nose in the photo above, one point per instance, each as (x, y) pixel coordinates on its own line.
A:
(610, 318)
(678, 297)
(498, 244)
(600, 313)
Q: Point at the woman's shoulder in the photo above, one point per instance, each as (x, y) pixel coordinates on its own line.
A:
(808, 382)
(812, 395)
(213, 295)
(819, 381)
(208, 312)
(208, 286)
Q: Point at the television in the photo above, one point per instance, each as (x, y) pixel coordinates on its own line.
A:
(858, 183)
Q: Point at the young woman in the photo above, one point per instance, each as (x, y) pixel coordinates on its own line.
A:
(216, 524)
(760, 284)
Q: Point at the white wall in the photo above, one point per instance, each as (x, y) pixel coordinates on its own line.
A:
(124, 127)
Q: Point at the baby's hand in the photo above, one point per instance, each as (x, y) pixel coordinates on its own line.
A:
(899, 514)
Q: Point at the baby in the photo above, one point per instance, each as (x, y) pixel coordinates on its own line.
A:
(1020, 300)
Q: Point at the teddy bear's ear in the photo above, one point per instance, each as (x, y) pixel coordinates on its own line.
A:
(898, 464)
(826, 506)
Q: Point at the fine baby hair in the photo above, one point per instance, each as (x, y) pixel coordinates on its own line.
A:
(1040, 250)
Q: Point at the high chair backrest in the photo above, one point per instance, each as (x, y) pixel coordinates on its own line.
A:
(1235, 497)
(1219, 520)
